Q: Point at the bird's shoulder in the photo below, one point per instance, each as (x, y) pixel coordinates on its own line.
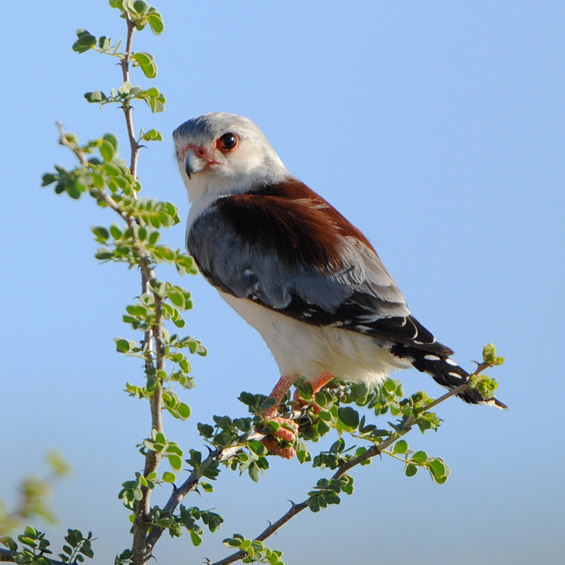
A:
(287, 219)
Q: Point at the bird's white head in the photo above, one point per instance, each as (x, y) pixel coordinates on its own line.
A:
(220, 154)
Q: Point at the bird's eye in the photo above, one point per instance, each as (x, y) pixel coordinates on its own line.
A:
(227, 142)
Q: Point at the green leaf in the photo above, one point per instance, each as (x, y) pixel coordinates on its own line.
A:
(338, 446)
(169, 477)
(183, 410)
(195, 538)
(323, 399)
(104, 43)
(314, 504)
(205, 430)
(484, 384)
(9, 543)
(176, 462)
(103, 254)
(254, 472)
(233, 542)
(410, 470)
(146, 62)
(490, 356)
(177, 297)
(419, 457)
(111, 169)
(115, 231)
(126, 88)
(153, 98)
(112, 139)
(95, 97)
(140, 6)
(439, 470)
(74, 190)
(101, 233)
(349, 417)
(122, 345)
(400, 447)
(257, 447)
(84, 42)
(107, 150)
(152, 135)
(48, 178)
(322, 428)
(390, 385)
(156, 22)
(97, 180)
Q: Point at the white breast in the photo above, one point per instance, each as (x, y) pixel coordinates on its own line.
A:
(303, 349)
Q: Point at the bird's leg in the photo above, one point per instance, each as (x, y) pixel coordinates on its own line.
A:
(281, 388)
(316, 383)
(289, 435)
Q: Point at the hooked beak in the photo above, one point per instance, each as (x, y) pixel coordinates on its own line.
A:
(193, 164)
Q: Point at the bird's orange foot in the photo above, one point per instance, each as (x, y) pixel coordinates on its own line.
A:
(316, 383)
(299, 403)
(306, 405)
(285, 430)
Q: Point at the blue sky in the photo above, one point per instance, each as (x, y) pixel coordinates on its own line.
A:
(437, 128)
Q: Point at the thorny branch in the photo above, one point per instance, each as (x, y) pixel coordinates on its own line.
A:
(344, 467)
(191, 483)
(127, 107)
(153, 340)
(6, 556)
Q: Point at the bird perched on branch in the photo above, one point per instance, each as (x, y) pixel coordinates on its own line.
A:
(294, 268)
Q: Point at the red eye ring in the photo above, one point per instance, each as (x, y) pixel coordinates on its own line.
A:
(227, 142)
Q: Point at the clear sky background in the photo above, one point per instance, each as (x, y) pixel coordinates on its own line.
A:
(436, 127)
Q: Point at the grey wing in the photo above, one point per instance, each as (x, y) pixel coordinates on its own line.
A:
(360, 295)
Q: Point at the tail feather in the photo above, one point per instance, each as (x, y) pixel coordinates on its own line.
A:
(443, 370)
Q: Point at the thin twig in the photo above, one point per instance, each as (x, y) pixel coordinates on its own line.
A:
(191, 483)
(77, 151)
(153, 345)
(345, 466)
(127, 107)
(6, 556)
(452, 392)
(153, 339)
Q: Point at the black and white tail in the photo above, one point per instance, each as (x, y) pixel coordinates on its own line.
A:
(433, 358)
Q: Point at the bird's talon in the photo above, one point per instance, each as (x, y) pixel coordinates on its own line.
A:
(275, 448)
(300, 403)
(286, 431)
